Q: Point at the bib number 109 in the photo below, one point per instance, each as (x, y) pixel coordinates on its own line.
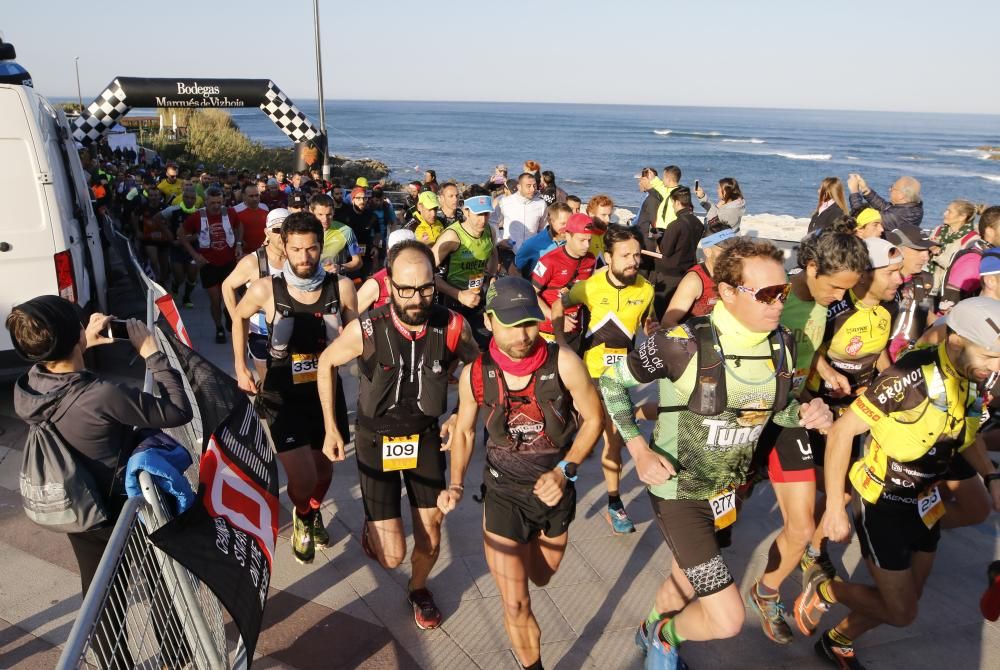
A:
(399, 453)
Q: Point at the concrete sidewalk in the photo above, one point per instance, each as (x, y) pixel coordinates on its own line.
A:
(344, 611)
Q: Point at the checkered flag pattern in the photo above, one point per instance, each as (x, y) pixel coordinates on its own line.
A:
(286, 115)
(102, 114)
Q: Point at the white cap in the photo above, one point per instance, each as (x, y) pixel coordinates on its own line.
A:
(397, 236)
(276, 217)
(977, 320)
(883, 254)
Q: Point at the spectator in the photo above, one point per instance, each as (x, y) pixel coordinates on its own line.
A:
(430, 181)
(551, 193)
(518, 216)
(678, 246)
(904, 204)
(494, 185)
(94, 416)
(646, 222)
(574, 203)
(831, 205)
(731, 206)
(955, 234)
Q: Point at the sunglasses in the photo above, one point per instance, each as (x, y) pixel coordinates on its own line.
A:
(769, 294)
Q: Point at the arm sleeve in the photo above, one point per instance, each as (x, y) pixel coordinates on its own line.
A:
(133, 407)
(788, 417)
(577, 295)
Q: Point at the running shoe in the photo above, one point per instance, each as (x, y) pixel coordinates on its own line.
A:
(618, 518)
(220, 336)
(642, 637)
(302, 542)
(187, 302)
(837, 654)
(661, 655)
(823, 561)
(425, 613)
(809, 606)
(366, 542)
(772, 616)
(321, 538)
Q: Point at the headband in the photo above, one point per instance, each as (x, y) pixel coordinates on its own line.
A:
(716, 238)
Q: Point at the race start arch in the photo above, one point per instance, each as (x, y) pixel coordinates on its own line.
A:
(125, 93)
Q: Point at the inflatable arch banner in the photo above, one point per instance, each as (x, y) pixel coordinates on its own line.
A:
(124, 93)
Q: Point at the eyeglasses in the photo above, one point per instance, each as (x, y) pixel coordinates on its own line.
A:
(425, 291)
(769, 294)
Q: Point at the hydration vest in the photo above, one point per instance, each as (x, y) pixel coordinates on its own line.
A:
(281, 328)
(258, 322)
(205, 237)
(490, 391)
(388, 357)
(708, 398)
(709, 292)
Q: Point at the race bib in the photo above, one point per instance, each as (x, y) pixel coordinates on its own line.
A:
(476, 281)
(612, 356)
(723, 509)
(399, 453)
(931, 507)
(362, 248)
(304, 368)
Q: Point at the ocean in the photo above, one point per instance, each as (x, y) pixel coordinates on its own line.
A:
(778, 156)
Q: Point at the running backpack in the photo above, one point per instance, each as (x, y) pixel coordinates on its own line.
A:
(57, 491)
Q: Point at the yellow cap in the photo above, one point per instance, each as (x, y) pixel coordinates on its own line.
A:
(866, 216)
(362, 182)
(428, 200)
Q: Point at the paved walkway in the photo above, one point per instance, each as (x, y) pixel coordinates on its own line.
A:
(345, 611)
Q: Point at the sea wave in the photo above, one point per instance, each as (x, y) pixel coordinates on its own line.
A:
(752, 140)
(990, 177)
(665, 131)
(802, 157)
(852, 158)
(662, 132)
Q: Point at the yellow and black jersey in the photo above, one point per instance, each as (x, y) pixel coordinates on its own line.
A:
(616, 315)
(921, 412)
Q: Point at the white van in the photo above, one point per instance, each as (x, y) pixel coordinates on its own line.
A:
(50, 240)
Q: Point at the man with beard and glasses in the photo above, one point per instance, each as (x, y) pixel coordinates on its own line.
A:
(542, 418)
(305, 308)
(405, 350)
(619, 301)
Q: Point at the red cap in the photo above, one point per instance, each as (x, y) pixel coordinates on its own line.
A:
(581, 223)
(356, 191)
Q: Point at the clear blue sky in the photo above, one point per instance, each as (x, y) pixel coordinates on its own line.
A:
(918, 56)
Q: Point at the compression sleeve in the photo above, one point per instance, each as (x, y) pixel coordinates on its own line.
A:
(788, 417)
(614, 384)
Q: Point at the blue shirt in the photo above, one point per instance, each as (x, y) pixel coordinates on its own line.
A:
(532, 249)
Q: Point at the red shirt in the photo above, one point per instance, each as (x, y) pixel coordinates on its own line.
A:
(253, 221)
(557, 270)
(218, 251)
(383, 288)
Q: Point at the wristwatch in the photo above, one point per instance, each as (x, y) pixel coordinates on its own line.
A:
(986, 479)
(568, 470)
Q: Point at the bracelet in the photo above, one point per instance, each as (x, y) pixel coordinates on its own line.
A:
(990, 477)
(460, 487)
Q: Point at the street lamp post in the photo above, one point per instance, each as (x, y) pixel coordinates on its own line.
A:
(319, 87)
(79, 95)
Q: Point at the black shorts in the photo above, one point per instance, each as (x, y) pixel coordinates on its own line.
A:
(513, 511)
(889, 534)
(380, 491)
(817, 442)
(213, 275)
(295, 419)
(785, 454)
(179, 255)
(257, 345)
(959, 469)
(689, 529)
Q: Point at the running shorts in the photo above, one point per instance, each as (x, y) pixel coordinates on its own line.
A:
(959, 469)
(890, 534)
(513, 510)
(785, 453)
(296, 419)
(689, 529)
(213, 275)
(380, 491)
(257, 346)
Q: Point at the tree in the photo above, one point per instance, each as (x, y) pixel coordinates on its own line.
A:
(214, 139)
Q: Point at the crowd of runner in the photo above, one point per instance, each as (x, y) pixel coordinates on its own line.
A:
(859, 384)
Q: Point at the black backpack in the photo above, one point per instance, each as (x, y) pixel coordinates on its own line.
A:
(57, 491)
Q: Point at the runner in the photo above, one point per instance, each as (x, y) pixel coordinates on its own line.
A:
(306, 307)
(914, 297)
(711, 414)
(697, 294)
(466, 250)
(404, 351)
(831, 261)
(558, 271)
(216, 255)
(153, 233)
(253, 217)
(534, 394)
(541, 243)
(341, 252)
(619, 301)
(920, 412)
(855, 350)
(185, 270)
(375, 291)
(267, 260)
(424, 222)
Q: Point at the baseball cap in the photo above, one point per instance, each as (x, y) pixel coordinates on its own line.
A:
(866, 216)
(480, 204)
(977, 320)
(512, 301)
(581, 223)
(910, 236)
(356, 191)
(298, 201)
(362, 182)
(397, 236)
(276, 217)
(882, 254)
(428, 200)
(989, 264)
